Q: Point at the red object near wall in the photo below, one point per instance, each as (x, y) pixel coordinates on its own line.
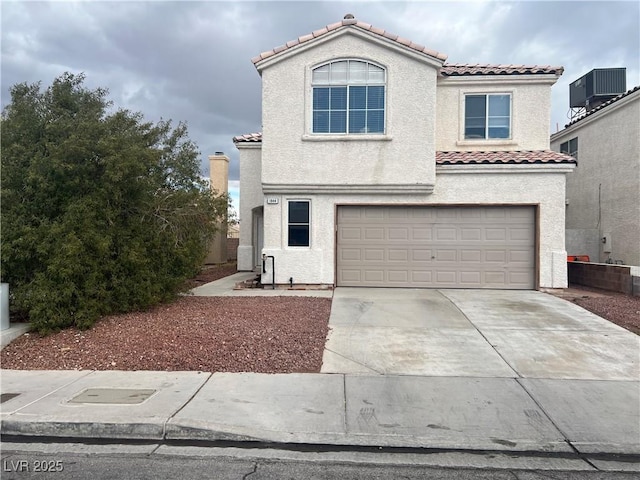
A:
(578, 258)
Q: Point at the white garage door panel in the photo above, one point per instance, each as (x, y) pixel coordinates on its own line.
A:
(438, 247)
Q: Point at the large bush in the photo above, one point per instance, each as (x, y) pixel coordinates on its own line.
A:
(101, 211)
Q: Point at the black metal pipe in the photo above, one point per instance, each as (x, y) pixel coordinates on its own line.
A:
(273, 269)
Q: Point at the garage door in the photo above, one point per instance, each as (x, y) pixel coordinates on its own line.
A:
(437, 247)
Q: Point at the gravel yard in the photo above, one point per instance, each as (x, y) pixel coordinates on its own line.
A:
(211, 334)
(228, 334)
(621, 309)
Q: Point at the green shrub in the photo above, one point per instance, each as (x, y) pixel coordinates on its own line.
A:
(101, 211)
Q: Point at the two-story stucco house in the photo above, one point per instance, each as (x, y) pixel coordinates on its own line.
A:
(603, 195)
(381, 165)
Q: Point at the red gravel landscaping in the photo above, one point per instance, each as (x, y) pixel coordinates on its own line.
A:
(621, 309)
(212, 334)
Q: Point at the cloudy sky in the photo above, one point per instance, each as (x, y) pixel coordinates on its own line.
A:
(191, 61)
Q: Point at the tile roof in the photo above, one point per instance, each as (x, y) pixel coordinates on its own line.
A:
(500, 158)
(470, 158)
(604, 105)
(349, 21)
(449, 70)
(462, 69)
(248, 137)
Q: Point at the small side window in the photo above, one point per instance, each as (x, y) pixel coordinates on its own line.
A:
(298, 223)
(570, 147)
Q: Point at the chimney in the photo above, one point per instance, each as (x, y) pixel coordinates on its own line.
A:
(219, 179)
(219, 172)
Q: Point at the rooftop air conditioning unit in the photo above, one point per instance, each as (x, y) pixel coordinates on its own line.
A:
(597, 86)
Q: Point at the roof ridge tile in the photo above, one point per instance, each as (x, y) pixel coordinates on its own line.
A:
(349, 21)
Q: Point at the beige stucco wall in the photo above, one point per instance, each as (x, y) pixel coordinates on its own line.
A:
(603, 193)
(250, 197)
(316, 264)
(405, 154)
(530, 110)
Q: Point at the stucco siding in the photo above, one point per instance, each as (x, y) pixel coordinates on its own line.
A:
(603, 193)
(404, 154)
(316, 263)
(530, 104)
(250, 197)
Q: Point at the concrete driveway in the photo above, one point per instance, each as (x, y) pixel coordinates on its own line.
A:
(474, 333)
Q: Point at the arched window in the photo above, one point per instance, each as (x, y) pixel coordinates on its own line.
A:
(348, 97)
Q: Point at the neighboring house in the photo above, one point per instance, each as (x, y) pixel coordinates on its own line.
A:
(603, 194)
(233, 231)
(381, 165)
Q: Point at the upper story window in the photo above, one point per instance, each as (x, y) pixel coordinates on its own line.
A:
(487, 116)
(348, 97)
(570, 147)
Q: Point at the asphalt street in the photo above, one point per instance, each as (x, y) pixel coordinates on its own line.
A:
(152, 461)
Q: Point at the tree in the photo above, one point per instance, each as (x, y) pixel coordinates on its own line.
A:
(102, 212)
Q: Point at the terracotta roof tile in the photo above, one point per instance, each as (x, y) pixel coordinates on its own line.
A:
(305, 38)
(604, 105)
(471, 158)
(500, 158)
(463, 69)
(317, 33)
(248, 137)
(267, 54)
(448, 70)
(350, 22)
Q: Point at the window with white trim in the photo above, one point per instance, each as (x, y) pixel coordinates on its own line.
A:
(298, 223)
(348, 97)
(487, 116)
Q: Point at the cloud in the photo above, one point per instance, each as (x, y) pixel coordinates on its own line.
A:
(190, 61)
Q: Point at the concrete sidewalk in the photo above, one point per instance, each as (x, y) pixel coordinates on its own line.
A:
(516, 408)
(225, 288)
(496, 414)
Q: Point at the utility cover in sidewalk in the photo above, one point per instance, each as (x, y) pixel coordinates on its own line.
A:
(5, 397)
(122, 396)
